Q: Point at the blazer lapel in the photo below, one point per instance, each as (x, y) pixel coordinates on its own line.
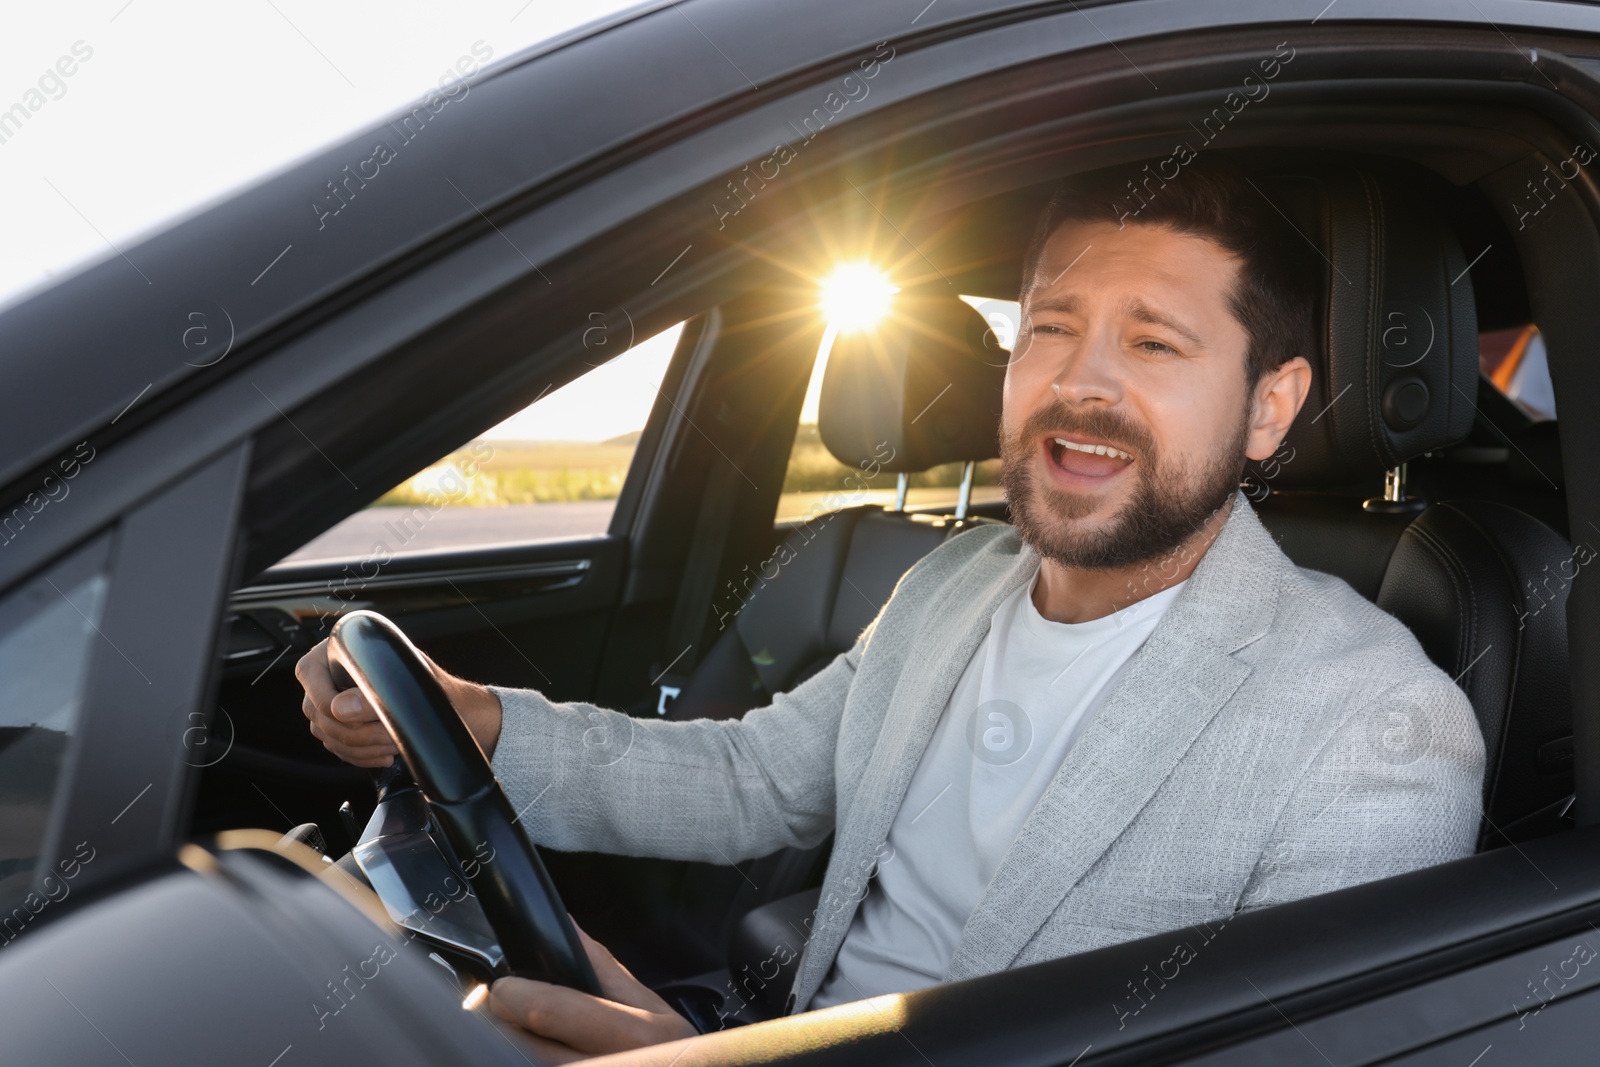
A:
(1168, 694)
(952, 627)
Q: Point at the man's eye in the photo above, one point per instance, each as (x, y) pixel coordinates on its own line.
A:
(1156, 347)
(1050, 328)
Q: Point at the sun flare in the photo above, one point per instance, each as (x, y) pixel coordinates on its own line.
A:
(856, 296)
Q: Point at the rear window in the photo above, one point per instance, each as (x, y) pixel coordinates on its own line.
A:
(1514, 361)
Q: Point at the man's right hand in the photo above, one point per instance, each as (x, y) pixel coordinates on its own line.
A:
(347, 725)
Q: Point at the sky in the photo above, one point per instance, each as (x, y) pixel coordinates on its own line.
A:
(141, 111)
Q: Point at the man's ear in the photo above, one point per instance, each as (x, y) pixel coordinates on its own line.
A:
(1274, 403)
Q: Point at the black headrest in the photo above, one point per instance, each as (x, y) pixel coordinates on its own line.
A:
(1398, 371)
(923, 383)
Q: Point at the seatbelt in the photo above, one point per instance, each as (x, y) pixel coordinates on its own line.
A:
(698, 586)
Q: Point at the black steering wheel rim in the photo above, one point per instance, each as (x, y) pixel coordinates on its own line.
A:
(513, 888)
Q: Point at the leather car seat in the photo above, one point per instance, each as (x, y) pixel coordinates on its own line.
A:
(919, 391)
(1396, 378)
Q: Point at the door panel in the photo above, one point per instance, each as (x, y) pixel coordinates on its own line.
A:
(1561, 1035)
(1514, 1005)
(508, 610)
(533, 615)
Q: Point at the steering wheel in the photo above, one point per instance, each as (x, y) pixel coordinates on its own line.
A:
(513, 888)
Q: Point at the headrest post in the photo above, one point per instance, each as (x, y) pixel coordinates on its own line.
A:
(1394, 484)
(900, 486)
(965, 496)
(1394, 497)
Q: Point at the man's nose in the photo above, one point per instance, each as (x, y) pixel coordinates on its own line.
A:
(1091, 371)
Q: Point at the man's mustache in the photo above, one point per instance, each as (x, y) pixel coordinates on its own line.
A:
(1101, 423)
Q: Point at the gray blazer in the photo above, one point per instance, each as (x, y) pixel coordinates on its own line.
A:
(1278, 736)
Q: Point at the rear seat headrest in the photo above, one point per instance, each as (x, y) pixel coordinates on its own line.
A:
(1397, 370)
(923, 383)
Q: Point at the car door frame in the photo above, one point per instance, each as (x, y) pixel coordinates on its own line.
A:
(321, 355)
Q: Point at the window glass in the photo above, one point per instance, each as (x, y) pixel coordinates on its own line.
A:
(1514, 361)
(816, 482)
(48, 628)
(552, 470)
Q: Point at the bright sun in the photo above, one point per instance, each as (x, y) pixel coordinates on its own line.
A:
(856, 296)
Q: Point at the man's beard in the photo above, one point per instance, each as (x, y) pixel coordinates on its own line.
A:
(1171, 502)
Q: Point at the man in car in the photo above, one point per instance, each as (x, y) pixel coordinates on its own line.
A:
(1125, 714)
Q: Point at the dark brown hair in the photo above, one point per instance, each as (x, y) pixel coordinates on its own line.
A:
(1280, 278)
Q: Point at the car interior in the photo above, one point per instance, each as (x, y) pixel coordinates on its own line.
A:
(1408, 474)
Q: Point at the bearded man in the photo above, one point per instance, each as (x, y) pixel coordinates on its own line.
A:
(1125, 713)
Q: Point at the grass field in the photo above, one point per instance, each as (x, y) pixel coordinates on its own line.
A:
(812, 468)
(521, 472)
(552, 472)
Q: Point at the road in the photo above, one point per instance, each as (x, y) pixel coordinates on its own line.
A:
(361, 534)
(357, 536)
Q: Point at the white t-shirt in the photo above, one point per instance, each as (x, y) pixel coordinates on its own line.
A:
(1028, 692)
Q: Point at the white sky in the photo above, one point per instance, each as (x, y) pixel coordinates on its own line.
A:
(182, 102)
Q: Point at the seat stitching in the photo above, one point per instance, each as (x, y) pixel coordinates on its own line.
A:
(1370, 386)
(1457, 572)
(1517, 641)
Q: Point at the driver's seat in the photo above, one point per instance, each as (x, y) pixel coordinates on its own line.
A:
(1397, 377)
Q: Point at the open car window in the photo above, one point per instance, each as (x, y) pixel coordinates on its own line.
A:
(553, 470)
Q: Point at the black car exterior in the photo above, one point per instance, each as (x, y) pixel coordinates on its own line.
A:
(612, 170)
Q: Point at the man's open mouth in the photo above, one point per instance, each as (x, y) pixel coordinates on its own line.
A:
(1087, 458)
